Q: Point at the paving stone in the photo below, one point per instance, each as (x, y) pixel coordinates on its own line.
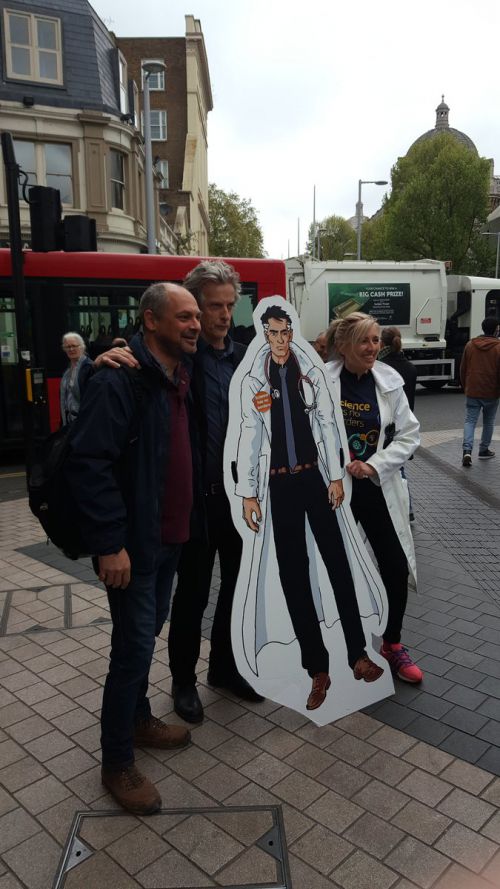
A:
(101, 870)
(49, 745)
(58, 819)
(35, 860)
(287, 718)
(278, 742)
(418, 862)
(334, 812)
(173, 870)
(466, 847)
(250, 726)
(422, 822)
(34, 694)
(15, 827)
(490, 732)
(380, 799)
(429, 758)
(392, 741)
(464, 676)
(299, 790)
(430, 705)
(310, 760)
(253, 866)
(42, 794)
(191, 762)
(358, 724)
(54, 706)
(246, 827)
(457, 877)
(21, 773)
(492, 828)
(465, 697)
(393, 714)
(303, 875)
(360, 871)
(321, 736)
(387, 768)
(266, 770)
(464, 746)
(492, 870)
(352, 750)
(100, 832)
(204, 843)
(435, 685)
(12, 713)
(180, 794)
(343, 778)
(209, 735)
(9, 753)
(492, 792)
(375, 836)
(490, 708)
(70, 763)
(490, 760)
(322, 849)
(29, 729)
(220, 781)
(236, 752)
(467, 809)
(7, 802)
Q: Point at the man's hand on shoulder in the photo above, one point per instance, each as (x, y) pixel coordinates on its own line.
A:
(115, 357)
(114, 570)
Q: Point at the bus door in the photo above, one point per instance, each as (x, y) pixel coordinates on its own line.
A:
(10, 397)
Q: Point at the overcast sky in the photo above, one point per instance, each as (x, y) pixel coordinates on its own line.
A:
(326, 93)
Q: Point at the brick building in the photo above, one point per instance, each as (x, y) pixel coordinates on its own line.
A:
(180, 100)
(66, 98)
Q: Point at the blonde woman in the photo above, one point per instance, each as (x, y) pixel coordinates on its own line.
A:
(383, 433)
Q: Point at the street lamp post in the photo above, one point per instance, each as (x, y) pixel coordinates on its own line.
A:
(359, 207)
(497, 236)
(148, 69)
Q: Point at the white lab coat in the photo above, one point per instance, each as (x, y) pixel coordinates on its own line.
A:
(264, 611)
(393, 408)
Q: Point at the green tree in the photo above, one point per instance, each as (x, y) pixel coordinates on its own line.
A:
(234, 225)
(438, 204)
(336, 238)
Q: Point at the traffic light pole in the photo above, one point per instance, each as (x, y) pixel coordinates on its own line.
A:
(16, 253)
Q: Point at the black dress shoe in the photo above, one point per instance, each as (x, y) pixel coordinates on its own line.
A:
(187, 703)
(237, 686)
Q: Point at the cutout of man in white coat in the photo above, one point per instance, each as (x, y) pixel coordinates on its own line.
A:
(307, 585)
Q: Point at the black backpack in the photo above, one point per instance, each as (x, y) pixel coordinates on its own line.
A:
(50, 498)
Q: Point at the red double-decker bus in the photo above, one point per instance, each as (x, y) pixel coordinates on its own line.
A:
(96, 295)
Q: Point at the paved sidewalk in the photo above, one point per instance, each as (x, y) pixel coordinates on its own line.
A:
(407, 795)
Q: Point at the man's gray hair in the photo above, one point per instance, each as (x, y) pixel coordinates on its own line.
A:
(154, 298)
(211, 271)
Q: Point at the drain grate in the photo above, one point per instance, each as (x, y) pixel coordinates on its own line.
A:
(238, 847)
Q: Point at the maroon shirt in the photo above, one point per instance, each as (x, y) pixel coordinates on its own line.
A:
(178, 497)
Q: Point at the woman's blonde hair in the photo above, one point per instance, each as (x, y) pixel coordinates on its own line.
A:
(347, 331)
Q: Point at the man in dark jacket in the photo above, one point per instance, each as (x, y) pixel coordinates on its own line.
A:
(215, 286)
(480, 378)
(131, 474)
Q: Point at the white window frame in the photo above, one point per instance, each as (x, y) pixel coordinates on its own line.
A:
(162, 167)
(34, 49)
(162, 124)
(160, 76)
(122, 183)
(40, 170)
(123, 81)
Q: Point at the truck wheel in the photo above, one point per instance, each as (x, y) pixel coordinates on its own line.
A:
(434, 385)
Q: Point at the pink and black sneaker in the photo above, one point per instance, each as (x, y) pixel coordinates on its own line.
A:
(400, 662)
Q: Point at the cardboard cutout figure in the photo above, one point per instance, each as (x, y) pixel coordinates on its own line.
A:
(308, 596)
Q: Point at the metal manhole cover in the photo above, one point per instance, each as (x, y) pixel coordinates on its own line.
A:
(236, 847)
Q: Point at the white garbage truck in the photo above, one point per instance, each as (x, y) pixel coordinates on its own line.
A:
(470, 300)
(408, 295)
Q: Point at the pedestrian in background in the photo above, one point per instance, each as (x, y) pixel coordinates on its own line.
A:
(75, 378)
(480, 378)
(392, 354)
(320, 345)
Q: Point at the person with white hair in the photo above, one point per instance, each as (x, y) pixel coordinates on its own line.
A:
(75, 377)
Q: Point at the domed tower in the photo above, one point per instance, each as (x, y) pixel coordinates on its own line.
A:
(443, 126)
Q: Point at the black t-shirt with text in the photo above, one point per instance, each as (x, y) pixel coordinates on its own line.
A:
(358, 398)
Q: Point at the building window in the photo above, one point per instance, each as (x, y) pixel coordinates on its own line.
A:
(33, 47)
(117, 179)
(47, 163)
(123, 76)
(156, 81)
(162, 167)
(158, 125)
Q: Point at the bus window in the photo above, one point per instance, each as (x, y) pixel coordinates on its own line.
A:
(101, 313)
(243, 330)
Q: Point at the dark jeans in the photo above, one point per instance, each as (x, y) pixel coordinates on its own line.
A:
(138, 615)
(192, 593)
(370, 510)
(293, 497)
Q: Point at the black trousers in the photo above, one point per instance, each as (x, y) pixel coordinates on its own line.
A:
(192, 594)
(370, 510)
(293, 497)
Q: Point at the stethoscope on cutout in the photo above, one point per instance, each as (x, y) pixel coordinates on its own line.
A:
(275, 393)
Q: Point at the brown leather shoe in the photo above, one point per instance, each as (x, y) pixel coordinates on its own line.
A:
(132, 790)
(155, 733)
(321, 684)
(365, 669)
